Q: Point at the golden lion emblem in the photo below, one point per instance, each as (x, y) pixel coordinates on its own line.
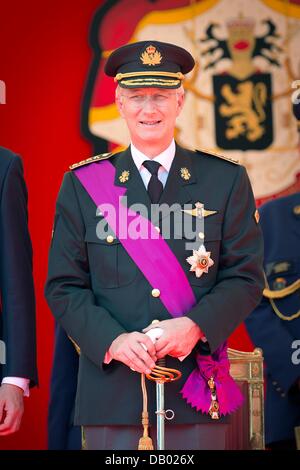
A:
(245, 119)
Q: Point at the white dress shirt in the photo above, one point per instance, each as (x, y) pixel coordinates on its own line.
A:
(165, 159)
(19, 382)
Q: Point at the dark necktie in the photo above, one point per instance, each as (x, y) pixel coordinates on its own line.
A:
(155, 186)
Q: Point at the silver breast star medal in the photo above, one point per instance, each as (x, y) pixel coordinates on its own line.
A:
(200, 261)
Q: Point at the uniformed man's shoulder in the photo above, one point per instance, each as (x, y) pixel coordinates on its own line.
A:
(281, 205)
(216, 156)
(94, 159)
(8, 155)
(7, 158)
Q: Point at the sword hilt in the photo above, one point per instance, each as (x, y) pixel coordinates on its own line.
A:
(160, 373)
(161, 366)
(161, 362)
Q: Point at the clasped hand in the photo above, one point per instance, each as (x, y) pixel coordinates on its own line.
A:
(137, 351)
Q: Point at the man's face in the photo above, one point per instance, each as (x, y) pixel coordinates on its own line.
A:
(150, 114)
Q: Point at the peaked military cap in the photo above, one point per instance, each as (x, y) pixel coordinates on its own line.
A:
(149, 64)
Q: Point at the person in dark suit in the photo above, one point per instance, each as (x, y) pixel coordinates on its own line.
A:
(105, 289)
(274, 325)
(62, 434)
(18, 370)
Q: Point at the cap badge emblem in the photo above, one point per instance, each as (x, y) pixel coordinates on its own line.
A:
(151, 56)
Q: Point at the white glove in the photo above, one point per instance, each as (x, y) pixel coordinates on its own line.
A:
(154, 334)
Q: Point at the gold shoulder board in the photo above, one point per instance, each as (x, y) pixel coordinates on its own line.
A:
(96, 158)
(212, 154)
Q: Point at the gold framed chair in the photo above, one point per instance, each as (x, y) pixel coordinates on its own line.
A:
(246, 430)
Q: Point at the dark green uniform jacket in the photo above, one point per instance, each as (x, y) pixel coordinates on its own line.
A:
(96, 291)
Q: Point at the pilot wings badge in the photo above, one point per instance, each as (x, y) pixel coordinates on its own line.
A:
(199, 211)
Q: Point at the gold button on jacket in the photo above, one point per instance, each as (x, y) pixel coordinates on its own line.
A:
(155, 292)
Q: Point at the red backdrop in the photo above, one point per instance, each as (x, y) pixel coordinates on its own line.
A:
(44, 60)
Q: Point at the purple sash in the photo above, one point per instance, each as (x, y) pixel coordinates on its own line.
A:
(176, 294)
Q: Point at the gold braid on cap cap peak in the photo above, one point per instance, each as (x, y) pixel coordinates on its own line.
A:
(150, 82)
(177, 75)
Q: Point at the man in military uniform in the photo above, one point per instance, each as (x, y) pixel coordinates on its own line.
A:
(18, 370)
(274, 325)
(105, 288)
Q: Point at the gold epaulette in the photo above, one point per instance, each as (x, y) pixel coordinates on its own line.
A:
(96, 158)
(213, 154)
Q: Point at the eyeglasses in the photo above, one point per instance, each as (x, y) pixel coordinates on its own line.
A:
(157, 99)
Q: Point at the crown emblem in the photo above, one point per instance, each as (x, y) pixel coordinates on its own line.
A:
(151, 56)
(241, 24)
(185, 174)
(124, 176)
